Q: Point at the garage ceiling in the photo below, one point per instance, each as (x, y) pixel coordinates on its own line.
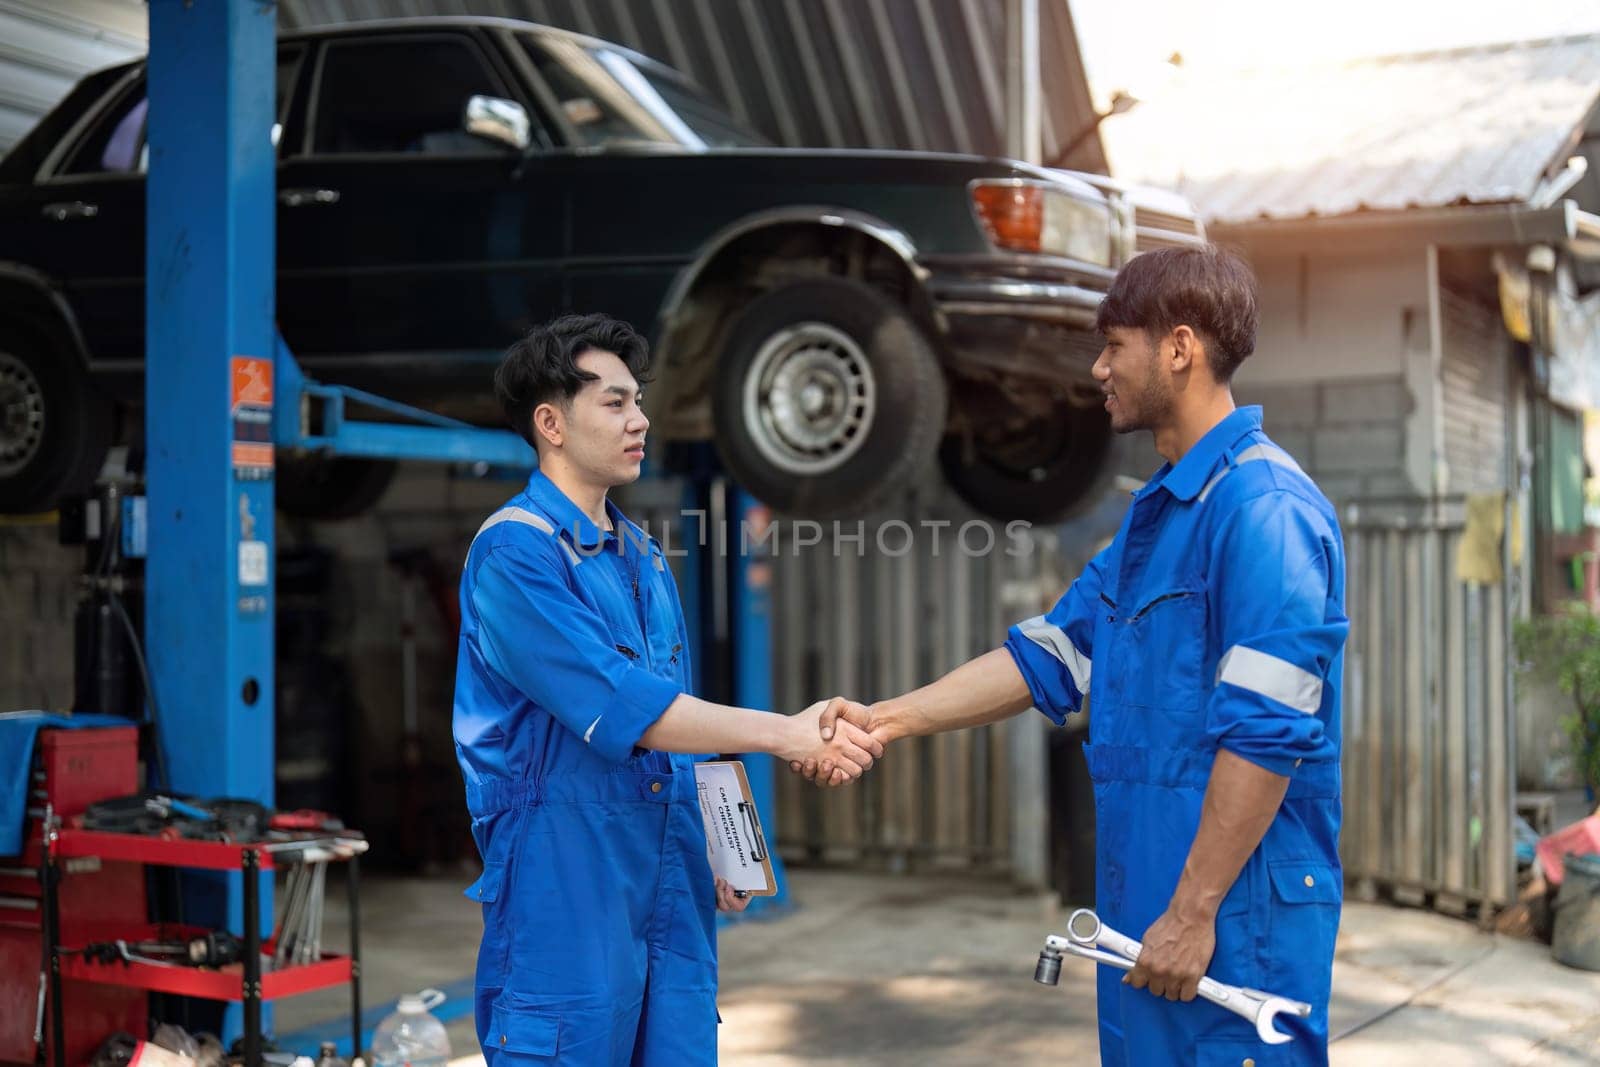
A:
(47, 45)
(918, 74)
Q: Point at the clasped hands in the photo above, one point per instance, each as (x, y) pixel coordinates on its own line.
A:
(836, 741)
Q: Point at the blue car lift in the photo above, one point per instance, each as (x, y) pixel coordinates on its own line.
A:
(223, 392)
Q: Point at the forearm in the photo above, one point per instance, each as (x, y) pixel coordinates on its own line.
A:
(984, 690)
(693, 725)
(1240, 803)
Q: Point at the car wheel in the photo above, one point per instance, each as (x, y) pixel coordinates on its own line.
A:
(323, 487)
(54, 424)
(1042, 470)
(828, 399)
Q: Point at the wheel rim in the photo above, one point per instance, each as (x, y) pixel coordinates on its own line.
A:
(809, 399)
(21, 415)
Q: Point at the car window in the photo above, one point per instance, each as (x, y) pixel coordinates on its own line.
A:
(117, 144)
(599, 107)
(713, 125)
(29, 154)
(609, 99)
(400, 96)
(289, 63)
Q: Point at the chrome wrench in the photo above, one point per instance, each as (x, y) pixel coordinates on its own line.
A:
(1090, 938)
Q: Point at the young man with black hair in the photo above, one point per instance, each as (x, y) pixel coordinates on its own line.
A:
(573, 722)
(1214, 629)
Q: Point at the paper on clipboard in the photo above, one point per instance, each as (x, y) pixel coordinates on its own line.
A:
(735, 843)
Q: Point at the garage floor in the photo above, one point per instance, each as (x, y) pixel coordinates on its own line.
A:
(888, 970)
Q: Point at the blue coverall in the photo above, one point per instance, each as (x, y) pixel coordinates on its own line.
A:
(1215, 619)
(599, 906)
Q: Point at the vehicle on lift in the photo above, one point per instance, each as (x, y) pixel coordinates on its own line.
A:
(832, 319)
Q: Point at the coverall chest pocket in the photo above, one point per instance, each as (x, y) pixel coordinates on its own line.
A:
(1163, 644)
(663, 637)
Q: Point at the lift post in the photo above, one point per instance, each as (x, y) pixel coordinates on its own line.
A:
(209, 298)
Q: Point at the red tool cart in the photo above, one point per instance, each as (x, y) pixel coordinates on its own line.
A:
(72, 769)
(246, 982)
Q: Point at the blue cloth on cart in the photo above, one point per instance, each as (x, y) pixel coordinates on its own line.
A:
(18, 730)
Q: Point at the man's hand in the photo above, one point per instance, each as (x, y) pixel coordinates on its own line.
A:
(1177, 950)
(839, 750)
(727, 899)
(854, 714)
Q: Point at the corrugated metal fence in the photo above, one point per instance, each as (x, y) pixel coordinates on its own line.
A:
(881, 621)
(1429, 790)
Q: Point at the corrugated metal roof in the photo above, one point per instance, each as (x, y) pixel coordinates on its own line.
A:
(916, 74)
(45, 47)
(1468, 126)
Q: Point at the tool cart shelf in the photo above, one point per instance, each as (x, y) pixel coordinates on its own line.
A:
(250, 982)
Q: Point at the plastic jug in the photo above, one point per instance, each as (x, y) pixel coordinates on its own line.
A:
(411, 1037)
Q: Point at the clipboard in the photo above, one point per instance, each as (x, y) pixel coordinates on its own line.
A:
(735, 842)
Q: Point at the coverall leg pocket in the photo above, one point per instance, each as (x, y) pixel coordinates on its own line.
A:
(1304, 925)
(519, 1035)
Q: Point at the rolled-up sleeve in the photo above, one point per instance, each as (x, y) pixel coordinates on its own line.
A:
(1053, 651)
(535, 632)
(1281, 628)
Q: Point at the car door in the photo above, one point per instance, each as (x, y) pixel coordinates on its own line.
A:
(84, 222)
(411, 252)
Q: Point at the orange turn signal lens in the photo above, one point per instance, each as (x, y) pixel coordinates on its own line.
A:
(1012, 215)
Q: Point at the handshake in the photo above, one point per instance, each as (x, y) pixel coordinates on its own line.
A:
(835, 741)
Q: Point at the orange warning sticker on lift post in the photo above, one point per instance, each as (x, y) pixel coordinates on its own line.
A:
(252, 416)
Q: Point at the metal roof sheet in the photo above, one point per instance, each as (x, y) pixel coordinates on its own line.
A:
(913, 74)
(45, 47)
(1473, 125)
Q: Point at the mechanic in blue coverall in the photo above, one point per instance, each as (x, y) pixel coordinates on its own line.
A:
(571, 704)
(1213, 630)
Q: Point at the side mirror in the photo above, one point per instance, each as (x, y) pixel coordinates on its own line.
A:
(505, 122)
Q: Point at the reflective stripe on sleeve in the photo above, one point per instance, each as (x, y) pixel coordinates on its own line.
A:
(1271, 677)
(1053, 639)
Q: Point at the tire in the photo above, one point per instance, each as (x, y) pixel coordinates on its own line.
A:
(320, 487)
(1043, 471)
(828, 400)
(54, 424)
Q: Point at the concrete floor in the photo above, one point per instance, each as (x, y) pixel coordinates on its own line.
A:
(936, 970)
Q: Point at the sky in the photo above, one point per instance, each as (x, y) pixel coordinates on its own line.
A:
(1125, 42)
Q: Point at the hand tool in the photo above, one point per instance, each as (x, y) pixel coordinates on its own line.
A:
(1088, 937)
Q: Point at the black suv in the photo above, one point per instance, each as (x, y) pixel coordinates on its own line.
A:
(831, 318)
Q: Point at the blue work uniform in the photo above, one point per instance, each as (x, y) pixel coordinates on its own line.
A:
(599, 906)
(1214, 620)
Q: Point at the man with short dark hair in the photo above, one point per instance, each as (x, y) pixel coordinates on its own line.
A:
(572, 679)
(1214, 628)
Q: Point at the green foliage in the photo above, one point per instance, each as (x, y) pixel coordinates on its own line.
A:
(1565, 648)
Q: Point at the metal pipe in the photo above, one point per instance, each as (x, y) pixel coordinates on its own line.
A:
(1499, 224)
(252, 958)
(353, 884)
(1023, 128)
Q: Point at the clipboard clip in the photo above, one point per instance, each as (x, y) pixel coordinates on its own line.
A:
(758, 840)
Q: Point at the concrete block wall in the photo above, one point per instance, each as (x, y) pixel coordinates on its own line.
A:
(424, 509)
(1348, 435)
(38, 596)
